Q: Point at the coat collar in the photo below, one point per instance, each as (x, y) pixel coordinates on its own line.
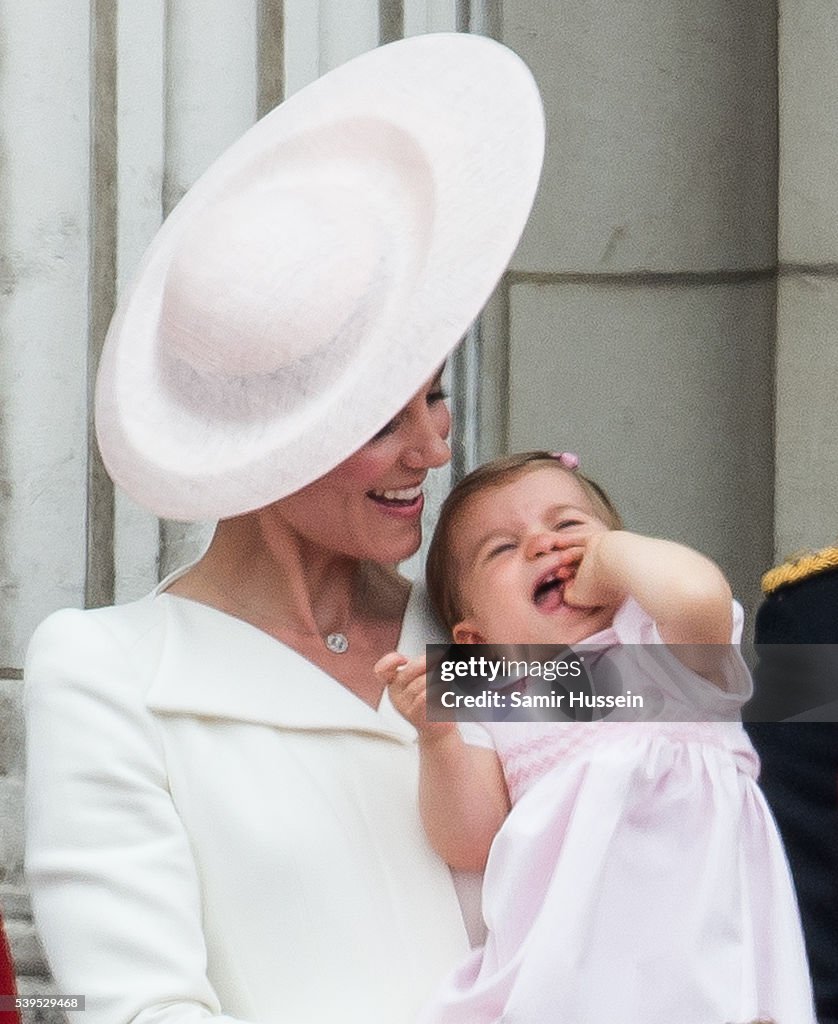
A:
(212, 665)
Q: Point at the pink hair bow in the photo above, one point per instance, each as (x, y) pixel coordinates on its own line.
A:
(570, 460)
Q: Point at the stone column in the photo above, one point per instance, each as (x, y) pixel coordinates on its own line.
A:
(211, 99)
(44, 249)
(807, 300)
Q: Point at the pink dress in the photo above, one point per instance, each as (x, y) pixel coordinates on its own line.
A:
(639, 877)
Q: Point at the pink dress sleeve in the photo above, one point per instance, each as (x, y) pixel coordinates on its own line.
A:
(688, 695)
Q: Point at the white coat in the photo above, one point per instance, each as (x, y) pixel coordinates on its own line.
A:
(218, 830)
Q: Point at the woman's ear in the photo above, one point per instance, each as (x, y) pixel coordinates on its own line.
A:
(466, 633)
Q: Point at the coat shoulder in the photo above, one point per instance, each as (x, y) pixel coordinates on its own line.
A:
(98, 646)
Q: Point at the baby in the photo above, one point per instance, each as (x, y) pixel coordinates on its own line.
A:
(632, 869)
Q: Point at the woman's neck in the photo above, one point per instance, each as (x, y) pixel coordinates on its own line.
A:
(285, 585)
(301, 594)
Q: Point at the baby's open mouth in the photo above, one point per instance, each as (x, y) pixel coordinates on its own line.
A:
(548, 591)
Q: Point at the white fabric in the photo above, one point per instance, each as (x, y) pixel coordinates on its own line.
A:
(218, 830)
(639, 876)
(318, 274)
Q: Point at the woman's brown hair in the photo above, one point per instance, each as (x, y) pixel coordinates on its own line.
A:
(442, 573)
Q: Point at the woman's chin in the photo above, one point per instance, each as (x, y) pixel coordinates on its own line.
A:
(400, 549)
(402, 555)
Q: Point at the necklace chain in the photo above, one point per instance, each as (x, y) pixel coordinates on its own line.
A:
(335, 640)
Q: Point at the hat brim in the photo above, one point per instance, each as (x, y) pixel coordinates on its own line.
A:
(448, 132)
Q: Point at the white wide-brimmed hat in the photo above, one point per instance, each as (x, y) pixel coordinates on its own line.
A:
(317, 275)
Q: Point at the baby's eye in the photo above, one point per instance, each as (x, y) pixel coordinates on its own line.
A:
(562, 524)
(499, 549)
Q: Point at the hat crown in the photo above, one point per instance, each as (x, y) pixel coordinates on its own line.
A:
(269, 278)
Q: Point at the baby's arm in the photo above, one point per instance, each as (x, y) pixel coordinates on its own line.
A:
(684, 592)
(462, 794)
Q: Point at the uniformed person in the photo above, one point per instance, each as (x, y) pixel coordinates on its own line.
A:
(796, 678)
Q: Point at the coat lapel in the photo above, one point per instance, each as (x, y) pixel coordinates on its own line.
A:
(215, 666)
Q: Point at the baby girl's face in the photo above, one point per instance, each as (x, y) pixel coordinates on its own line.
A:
(511, 548)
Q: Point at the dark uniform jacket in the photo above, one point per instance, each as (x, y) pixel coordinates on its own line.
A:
(800, 759)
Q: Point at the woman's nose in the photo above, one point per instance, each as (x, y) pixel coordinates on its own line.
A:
(427, 446)
(433, 451)
(540, 543)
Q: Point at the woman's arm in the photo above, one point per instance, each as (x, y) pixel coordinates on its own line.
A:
(115, 893)
(462, 793)
(685, 593)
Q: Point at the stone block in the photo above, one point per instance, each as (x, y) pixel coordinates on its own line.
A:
(808, 85)
(661, 134)
(807, 413)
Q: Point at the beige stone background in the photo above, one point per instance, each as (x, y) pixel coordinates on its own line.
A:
(670, 314)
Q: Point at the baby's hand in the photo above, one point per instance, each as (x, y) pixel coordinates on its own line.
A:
(406, 680)
(587, 585)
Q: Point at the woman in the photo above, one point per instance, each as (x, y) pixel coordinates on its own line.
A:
(221, 803)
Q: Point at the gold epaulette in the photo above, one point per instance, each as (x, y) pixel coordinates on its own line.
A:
(800, 567)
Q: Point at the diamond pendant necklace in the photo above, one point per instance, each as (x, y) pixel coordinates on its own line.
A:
(337, 643)
(335, 640)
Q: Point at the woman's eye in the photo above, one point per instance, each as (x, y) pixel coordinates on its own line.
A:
(388, 428)
(432, 398)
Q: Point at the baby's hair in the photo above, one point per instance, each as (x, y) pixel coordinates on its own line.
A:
(442, 574)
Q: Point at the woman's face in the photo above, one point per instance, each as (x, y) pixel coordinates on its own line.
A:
(370, 506)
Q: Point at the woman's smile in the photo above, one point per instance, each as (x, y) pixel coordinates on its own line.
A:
(402, 502)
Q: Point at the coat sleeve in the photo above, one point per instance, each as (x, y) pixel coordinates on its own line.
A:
(115, 894)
